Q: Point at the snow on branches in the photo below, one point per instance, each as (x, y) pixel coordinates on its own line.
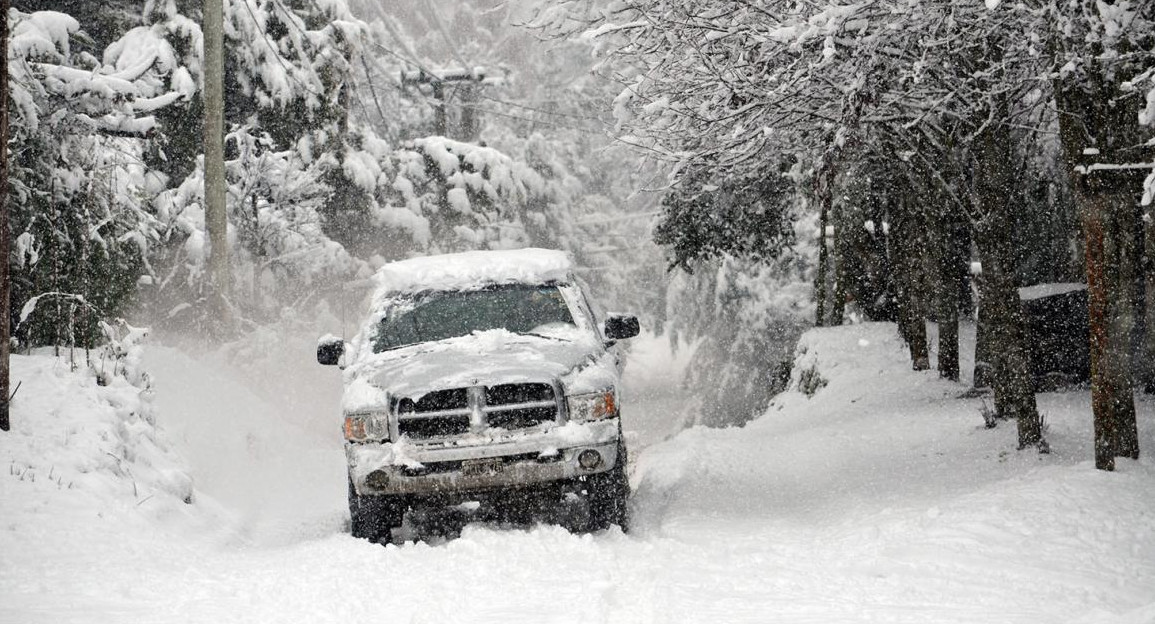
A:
(730, 82)
(78, 140)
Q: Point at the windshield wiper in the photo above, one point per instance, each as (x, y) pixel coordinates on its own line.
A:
(400, 346)
(543, 336)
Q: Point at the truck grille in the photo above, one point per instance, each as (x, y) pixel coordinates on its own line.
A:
(452, 412)
(517, 406)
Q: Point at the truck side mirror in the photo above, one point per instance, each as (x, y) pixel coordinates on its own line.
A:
(619, 326)
(329, 350)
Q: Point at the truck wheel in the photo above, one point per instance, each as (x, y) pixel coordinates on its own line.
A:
(609, 494)
(373, 517)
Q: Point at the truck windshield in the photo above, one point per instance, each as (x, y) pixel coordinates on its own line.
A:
(441, 315)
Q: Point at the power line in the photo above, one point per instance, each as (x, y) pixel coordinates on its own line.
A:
(529, 119)
(640, 215)
(543, 111)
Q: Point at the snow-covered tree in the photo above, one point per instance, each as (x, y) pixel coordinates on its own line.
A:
(742, 317)
(287, 77)
(730, 85)
(82, 224)
(5, 241)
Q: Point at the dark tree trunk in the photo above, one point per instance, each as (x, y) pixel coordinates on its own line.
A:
(1147, 371)
(908, 247)
(5, 236)
(1014, 391)
(825, 177)
(948, 350)
(876, 291)
(989, 365)
(823, 260)
(838, 305)
(1096, 130)
(966, 302)
(1110, 321)
(984, 366)
(951, 272)
(1010, 362)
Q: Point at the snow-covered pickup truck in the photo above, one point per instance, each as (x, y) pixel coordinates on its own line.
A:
(482, 377)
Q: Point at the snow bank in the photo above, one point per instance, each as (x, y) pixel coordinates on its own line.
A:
(86, 465)
(88, 433)
(878, 484)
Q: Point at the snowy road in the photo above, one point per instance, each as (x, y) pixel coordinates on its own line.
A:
(879, 499)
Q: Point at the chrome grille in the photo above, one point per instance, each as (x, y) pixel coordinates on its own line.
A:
(437, 414)
(517, 406)
(457, 411)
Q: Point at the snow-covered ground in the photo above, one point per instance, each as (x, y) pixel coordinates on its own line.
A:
(879, 498)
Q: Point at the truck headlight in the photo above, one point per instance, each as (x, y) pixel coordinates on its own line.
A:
(362, 426)
(593, 406)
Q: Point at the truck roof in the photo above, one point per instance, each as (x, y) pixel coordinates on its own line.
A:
(472, 269)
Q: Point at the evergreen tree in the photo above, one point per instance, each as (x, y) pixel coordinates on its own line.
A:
(81, 226)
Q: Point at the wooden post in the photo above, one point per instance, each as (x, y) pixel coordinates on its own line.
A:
(470, 79)
(216, 216)
(469, 129)
(440, 118)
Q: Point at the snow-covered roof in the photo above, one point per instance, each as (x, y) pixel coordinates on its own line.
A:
(472, 269)
(1038, 291)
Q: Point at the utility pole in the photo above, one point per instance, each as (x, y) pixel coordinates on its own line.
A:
(5, 237)
(466, 127)
(216, 218)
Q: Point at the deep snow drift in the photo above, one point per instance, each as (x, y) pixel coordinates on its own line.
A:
(879, 498)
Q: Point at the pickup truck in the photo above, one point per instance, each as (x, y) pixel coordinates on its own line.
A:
(482, 377)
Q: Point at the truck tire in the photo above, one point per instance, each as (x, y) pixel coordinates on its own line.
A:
(609, 494)
(373, 517)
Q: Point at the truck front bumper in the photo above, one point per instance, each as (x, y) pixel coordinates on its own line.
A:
(497, 461)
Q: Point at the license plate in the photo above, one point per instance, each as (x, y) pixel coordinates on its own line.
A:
(482, 467)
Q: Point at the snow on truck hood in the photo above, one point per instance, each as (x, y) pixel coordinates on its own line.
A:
(482, 358)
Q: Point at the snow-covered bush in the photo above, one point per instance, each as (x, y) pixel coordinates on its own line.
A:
(810, 381)
(92, 432)
(120, 356)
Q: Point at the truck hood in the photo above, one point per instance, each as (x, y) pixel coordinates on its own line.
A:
(483, 358)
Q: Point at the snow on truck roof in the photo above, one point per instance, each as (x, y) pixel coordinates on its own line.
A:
(472, 269)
